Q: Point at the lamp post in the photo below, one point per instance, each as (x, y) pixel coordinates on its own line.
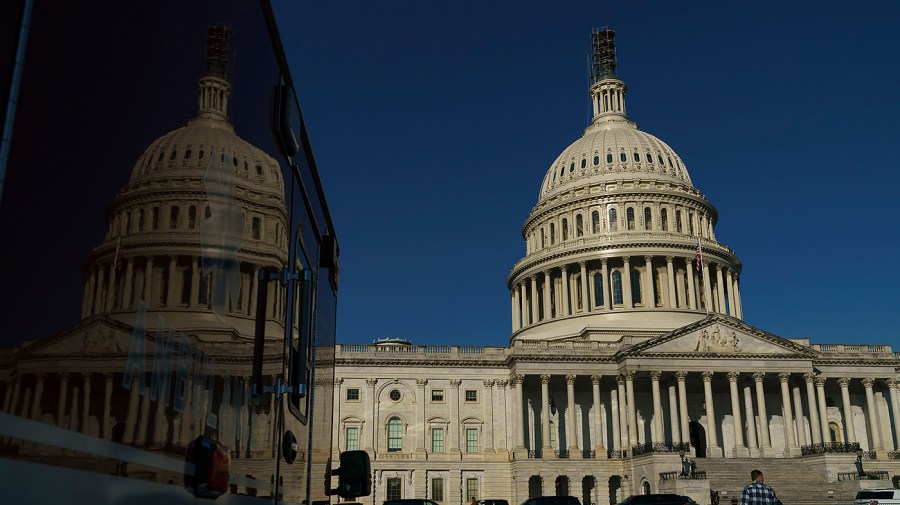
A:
(859, 466)
(683, 469)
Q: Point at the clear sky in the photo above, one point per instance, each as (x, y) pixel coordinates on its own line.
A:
(433, 124)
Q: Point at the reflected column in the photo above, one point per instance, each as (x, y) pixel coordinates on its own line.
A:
(714, 451)
(739, 450)
(814, 425)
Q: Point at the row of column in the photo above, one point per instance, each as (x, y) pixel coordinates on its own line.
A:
(102, 287)
(624, 421)
(531, 297)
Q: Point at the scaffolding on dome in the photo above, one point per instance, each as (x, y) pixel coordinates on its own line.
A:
(217, 41)
(603, 57)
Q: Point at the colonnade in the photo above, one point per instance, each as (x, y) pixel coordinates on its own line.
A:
(616, 284)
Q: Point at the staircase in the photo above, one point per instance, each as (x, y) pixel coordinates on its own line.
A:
(793, 481)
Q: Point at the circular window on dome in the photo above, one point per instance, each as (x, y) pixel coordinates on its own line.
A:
(395, 395)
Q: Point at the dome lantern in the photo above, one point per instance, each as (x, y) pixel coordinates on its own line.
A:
(214, 87)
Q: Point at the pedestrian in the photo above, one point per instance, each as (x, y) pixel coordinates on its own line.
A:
(473, 501)
(757, 492)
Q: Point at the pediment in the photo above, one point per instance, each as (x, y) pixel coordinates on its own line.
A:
(720, 336)
(97, 336)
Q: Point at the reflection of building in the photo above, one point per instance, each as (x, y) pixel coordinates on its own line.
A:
(202, 213)
(622, 354)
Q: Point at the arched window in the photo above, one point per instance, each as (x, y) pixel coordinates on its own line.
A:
(635, 286)
(609, 157)
(678, 226)
(623, 157)
(691, 222)
(661, 162)
(613, 221)
(648, 218)
(552, 233)
(637, 157)
(583, 162)
(595, 222)
(664, 218)
(629, 218)
(173, 217)
(649, 158)
(596, 160)
(255, 228)
(187, 154)
(834, 432)
(543, 238)
(154, 218)
(565, 229)
(173, 155)
(579, 225)
(394, 435)
(140, 223)
(598, 289)
(192, 217)
(617, 288)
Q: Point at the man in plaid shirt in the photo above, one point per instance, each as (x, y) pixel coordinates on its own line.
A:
(758, 493)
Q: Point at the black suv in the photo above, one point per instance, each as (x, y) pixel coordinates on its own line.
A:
(658, 499)
(552, 500)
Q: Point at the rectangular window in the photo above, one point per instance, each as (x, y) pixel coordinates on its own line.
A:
(471, 395)
(437, 395)
(437, 439)
(394, 489)
(471, 489)
(352, 438)
(437, 489)
(353, 394)
(471, 439)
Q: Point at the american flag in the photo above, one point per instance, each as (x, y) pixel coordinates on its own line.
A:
(118, 258)
(698, 255)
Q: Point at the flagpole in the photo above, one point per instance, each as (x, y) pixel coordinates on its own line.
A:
(702, 272)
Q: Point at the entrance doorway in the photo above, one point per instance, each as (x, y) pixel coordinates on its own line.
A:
(698, 439)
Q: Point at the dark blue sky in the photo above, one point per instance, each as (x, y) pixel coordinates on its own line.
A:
(433, 125)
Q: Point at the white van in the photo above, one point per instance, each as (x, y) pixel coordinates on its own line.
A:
(878, 497)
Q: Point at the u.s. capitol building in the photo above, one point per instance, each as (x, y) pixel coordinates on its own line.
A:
(629, 368)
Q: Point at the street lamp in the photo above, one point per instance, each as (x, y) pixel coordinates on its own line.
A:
(859, 467)
(683, 469)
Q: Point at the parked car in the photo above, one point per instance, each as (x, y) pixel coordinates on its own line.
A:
(658, 499)
(410, 501)
(552, 500)
(493, 502)
(879, 496)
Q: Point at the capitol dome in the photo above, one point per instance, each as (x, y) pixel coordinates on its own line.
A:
(202, 213)
(611, 245)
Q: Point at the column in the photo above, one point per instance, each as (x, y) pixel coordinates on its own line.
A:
(63, 396)
(566, 309)
(131, 420)
(657, 432)
(632, 414)
(107, 399)
(814, 424)
(680, 376)
(752, 444)
(171, 294)
(731, 302)
(692, 293)
(707, 290)
(894, 386)
(720, 289)
(520, 421)
(798, 416)
(144, 421)
(674, 423)
(195, 285)
(626, 283)
(453, 427)
(502, 445)
(790, 442)
(599, 439)
(872, 414)
(488, 416)
(765, 445)
(369, 432)
(571, 435)
(86, 410)
(548, 312)
(649, 299)
(38, 396)
(585, 298)
(616, 414)
(823, 410)
(338, 435)
(623, 412)
(849, 430)
(740, 451)
(736, 293)
(523, 299)
(607, 283)
(421, 429)
(185, 434)
(714, 451)
(129, 280)
(254, 290)
(148, 280)
(514, 299)
(535, 315)
(670, 273)
(546, 449)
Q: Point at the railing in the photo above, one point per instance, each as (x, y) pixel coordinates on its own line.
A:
(829, 447)
(649, 448)
(854, 348)
(893, 455)
(614, 454)
(587, 454)
(420, 349)
(535, 454)
(680, 475)
(437, 349)
(561, 454)
(471, 350)
(875, 475)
